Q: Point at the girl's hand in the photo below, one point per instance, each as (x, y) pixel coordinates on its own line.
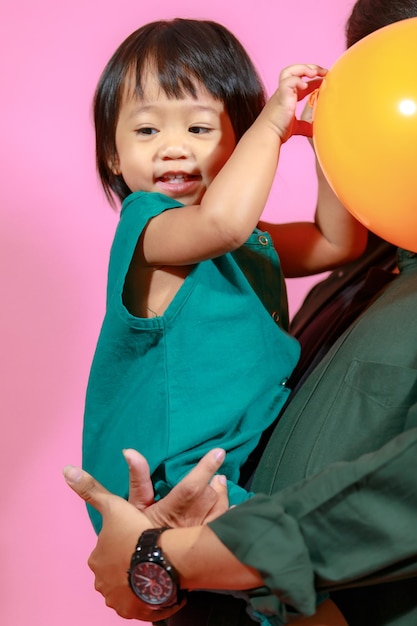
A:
(292, 88)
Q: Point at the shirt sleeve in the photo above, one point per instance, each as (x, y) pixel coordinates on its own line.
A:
(351, 524)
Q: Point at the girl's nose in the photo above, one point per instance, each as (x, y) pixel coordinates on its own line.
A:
(174, 147)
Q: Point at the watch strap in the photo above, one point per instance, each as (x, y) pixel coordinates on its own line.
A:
(148, 551)
(148, 540)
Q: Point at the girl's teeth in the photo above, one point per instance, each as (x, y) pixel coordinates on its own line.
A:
(178, 178)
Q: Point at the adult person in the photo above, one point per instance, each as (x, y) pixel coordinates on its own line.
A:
(338, 500)
(335, 302)
(336, 490)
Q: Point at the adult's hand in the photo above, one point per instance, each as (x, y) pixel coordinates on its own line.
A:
(197, 499)
(123, 523)
(110, 559)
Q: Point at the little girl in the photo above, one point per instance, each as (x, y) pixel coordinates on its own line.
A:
(193, 352)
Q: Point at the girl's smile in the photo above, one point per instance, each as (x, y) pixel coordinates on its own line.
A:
(172, 146)
(178, 183)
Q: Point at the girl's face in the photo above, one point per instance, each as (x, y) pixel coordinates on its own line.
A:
(170, 146)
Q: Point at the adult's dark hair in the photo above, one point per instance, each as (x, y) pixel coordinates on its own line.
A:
(369, 15)
(183, 51)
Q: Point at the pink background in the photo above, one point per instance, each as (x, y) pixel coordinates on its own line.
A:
(56, 230)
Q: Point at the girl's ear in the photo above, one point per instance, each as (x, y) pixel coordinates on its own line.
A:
(114, 165)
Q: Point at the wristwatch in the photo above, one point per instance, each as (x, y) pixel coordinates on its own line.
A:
(151, 576)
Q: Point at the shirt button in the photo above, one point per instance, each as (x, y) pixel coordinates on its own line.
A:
(263, 240)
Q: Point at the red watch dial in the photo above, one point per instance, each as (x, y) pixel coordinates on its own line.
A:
(152, 583)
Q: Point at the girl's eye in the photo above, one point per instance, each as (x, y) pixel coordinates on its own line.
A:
(198, 130)
(146, 131)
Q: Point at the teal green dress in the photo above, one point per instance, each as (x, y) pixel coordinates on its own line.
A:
(209, 372)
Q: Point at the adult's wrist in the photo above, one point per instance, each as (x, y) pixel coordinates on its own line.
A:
(203, 561)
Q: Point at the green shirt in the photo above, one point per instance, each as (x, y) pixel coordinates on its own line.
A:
(337, 484)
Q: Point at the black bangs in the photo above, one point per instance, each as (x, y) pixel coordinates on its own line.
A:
(184, 54)
(185, 51)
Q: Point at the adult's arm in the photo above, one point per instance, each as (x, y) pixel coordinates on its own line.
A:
(352, 524)
(193, 500)
(124, 521)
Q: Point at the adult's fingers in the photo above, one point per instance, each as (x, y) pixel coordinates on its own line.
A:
(190, 501)
(141, 493)
(87, 487)
(219, 484)
(191, 488)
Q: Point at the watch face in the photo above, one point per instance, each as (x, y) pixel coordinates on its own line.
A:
(152, 583)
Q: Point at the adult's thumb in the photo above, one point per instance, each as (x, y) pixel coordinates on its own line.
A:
(86, 487)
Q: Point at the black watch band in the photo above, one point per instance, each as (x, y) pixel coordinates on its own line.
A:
(148, 540)
(152, 578)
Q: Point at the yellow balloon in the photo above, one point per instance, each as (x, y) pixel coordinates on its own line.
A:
(365, 131)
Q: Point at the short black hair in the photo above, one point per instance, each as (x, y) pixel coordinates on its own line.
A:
(182, 51)
(370, 15)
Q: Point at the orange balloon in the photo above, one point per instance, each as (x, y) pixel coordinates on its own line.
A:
(365, 131)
